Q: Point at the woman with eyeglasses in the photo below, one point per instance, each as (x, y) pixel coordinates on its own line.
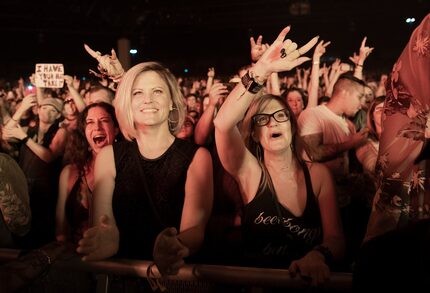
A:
(290, 216)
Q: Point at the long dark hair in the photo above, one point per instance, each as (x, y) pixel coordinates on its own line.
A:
(78, 151)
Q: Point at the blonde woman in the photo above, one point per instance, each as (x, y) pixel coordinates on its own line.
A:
(152, 192)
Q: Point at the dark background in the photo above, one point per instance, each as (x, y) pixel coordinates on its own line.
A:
(196, 34)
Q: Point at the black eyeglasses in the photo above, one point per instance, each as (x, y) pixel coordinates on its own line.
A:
(263, 119)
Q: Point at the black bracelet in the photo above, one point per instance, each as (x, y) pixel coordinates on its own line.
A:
(325, 251)
(25, 139)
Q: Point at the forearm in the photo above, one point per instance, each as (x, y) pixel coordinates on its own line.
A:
(43, 153)
(39, 95)
(192, 238)
(77, 98)
(209, 83)
(358, 70)
(234, 108)
(314, 84)
(326, 152)
(14, 119)
(204, 126)
(274, 80)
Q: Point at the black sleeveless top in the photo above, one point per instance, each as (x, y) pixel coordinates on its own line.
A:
(141, 216)
(273, 236)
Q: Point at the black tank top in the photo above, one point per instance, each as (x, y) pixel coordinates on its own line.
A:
(141, 216)
(273, 236)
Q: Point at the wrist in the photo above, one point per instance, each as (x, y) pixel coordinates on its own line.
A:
(259, 74)
(325, 252)
(25, 139)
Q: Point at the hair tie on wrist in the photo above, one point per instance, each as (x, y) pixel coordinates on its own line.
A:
(359, 65)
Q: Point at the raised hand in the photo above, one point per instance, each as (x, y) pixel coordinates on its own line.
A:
(100, 241)
(169, 252)
(320, 49)
(211, 72)
(257, 48)
(109, 65)
(365, 50)
(217, 92)
(28, 102)
(284, 55)
(14, 132)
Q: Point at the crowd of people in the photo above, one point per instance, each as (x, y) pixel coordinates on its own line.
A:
(275, 166)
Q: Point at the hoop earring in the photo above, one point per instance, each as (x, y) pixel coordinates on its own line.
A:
(173, 122)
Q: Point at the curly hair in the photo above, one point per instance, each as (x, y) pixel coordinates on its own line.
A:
(78, 151)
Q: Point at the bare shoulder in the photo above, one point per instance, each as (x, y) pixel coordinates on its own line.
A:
(69, 171)
(201, 158)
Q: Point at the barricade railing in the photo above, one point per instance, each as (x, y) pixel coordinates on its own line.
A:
(212, 274)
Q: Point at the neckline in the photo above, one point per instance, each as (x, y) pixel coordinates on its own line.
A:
(157, 158)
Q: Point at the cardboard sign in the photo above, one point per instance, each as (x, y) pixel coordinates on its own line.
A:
(49, 75)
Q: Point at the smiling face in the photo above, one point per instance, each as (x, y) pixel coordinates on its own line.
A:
(100, 129)
(275, 136)
(151, 101)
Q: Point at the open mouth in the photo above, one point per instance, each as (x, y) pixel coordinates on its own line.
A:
(99, 140)
(276, 135)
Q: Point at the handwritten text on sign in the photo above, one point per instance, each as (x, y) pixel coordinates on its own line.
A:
(49, 75)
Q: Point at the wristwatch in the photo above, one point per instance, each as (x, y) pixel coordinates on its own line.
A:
(250, 84)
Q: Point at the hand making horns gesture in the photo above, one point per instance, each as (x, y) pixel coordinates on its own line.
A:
(109, 65)
(284, 55)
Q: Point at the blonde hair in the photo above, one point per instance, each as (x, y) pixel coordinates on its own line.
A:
(123, 98)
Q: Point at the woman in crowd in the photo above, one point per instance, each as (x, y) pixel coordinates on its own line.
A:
(158, 187)
(290, 218)
(97, 127)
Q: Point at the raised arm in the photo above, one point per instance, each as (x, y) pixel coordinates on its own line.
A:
(359, 59)
(205, 125)
(210, 80)
(315, 74)
(280, 56)
(76, 96)
(109, 65)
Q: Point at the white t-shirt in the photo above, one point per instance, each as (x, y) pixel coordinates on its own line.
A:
(335, 129)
